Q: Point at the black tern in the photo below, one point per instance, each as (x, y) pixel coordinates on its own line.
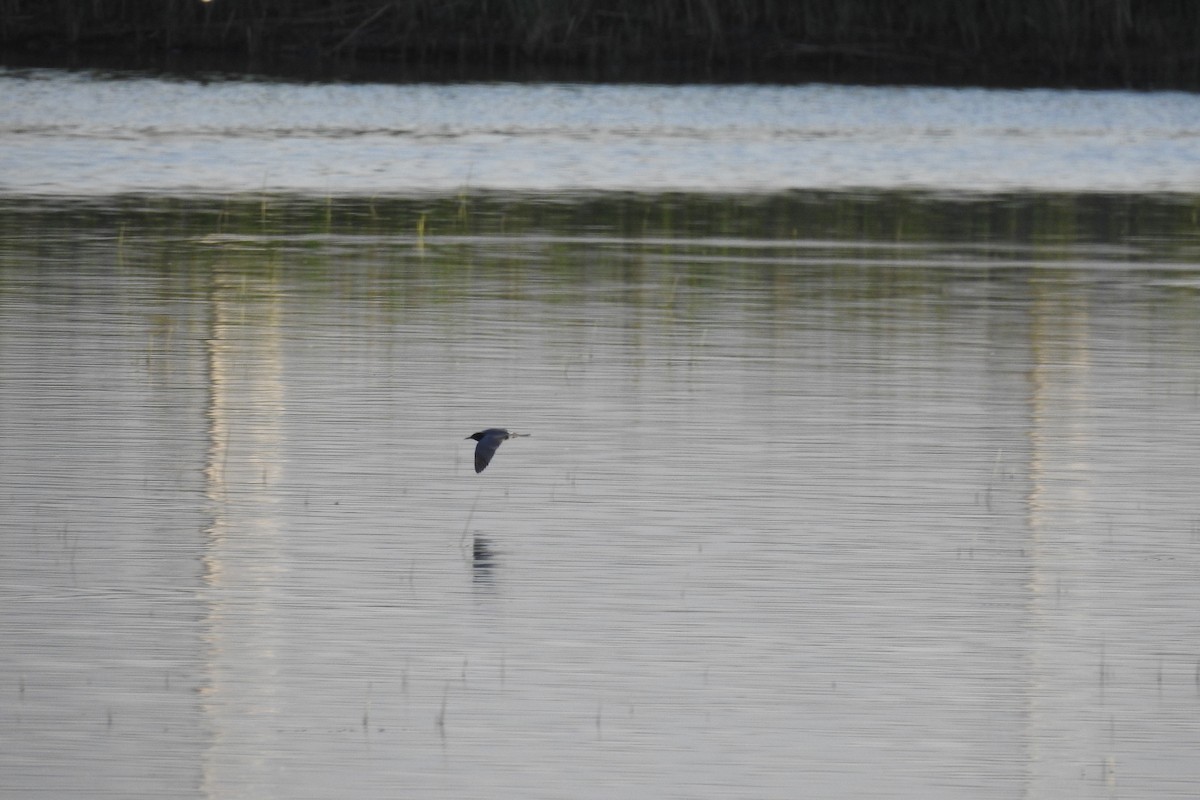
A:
(489, 440)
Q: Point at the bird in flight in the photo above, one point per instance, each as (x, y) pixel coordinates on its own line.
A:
(489, 440)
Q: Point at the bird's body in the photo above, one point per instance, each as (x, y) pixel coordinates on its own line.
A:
(489, 440)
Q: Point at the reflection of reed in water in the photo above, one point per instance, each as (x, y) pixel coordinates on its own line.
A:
(1061, 406)
(243, 551)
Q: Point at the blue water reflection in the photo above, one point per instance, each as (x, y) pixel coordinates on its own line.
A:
(85, 134)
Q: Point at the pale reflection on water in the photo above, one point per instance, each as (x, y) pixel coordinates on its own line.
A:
(831, 525)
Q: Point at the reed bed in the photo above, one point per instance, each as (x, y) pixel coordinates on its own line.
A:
(1067, 42)
(1164, 225)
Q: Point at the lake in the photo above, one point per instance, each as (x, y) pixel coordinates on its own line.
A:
(886, 493)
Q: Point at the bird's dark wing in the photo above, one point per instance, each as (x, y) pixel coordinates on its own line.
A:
(486, 449)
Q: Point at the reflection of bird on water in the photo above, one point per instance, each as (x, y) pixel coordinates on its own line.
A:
(489, 440)
(483, 559)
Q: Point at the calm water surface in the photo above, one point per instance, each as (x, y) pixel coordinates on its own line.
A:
(83, 133)
(850, 518)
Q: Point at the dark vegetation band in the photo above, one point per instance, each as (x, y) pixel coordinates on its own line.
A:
(998, 42)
